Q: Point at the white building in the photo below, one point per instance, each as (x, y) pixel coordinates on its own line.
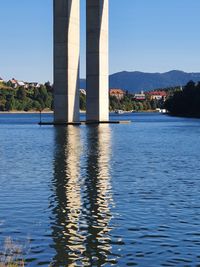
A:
(15, 83)
(83, 91)
(20, 83)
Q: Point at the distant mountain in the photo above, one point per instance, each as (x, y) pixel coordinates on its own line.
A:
(137, 81)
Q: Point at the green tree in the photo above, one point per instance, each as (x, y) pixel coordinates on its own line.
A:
(82, 102)
(21, 93)
(140, 106)
(10, 103)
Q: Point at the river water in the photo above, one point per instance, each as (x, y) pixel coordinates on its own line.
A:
(107, 195)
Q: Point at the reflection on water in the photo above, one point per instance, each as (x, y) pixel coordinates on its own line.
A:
(67, 237)
(82, 196)
(55, 188)
(97, 195)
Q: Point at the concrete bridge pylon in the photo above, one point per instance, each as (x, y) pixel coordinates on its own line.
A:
(67, 57)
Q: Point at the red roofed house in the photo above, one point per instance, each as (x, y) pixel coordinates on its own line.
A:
(13, 83)
(157, 95)
(118, 93)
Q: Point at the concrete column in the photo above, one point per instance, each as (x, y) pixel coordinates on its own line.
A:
(97, 61)
(66, 60)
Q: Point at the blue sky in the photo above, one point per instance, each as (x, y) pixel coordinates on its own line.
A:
(145, 35)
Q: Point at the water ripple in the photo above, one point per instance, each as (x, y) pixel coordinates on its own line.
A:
(122, 195)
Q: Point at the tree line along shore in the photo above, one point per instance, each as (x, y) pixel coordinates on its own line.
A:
(185, 102)
(40, 98)
(177, 100)
(20, 98)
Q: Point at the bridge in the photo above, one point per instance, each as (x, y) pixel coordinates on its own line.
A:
(67, 57)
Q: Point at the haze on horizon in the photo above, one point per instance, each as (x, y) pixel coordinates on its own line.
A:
(149, 36)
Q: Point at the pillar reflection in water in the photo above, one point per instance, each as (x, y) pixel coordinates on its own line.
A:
(97, 195)
(82, 196)
(67, 200)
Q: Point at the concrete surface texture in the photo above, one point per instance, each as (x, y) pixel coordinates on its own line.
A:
(97, 60)
(66, 60)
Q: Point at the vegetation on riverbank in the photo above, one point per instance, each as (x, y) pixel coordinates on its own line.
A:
(11, 255)
(30, 99)
(185, 102)
(22, 99)
(40, 98)
(127, 103)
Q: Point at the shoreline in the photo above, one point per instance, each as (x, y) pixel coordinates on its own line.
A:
(30, 112)
(81, 111)
(26, 112)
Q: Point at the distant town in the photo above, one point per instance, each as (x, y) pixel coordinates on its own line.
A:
(16, 95)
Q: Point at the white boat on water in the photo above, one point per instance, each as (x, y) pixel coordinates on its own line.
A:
(161, 110)
(119, 111)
